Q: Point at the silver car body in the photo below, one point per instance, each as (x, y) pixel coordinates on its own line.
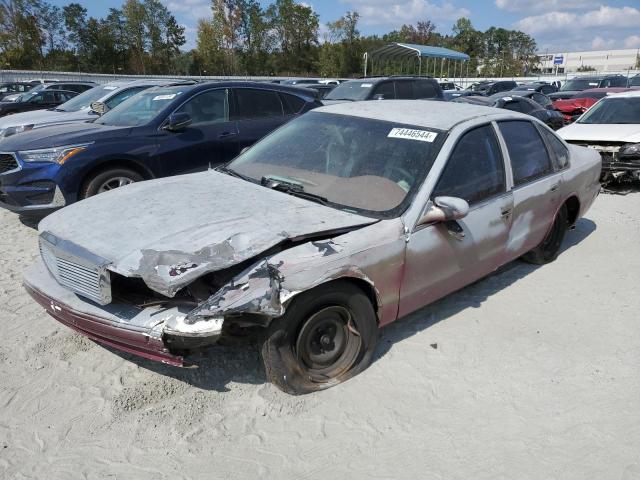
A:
(209, 222)
(44, 118)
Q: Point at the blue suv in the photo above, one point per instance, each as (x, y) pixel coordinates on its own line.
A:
(159, 132)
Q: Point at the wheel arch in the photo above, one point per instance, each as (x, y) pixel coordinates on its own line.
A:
(573, 209)
(109, 164)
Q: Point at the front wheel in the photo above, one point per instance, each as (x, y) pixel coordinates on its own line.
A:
(326, 336)
(549, 249)
(109, 180)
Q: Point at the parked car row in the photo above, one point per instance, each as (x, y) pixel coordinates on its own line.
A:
(161, 131)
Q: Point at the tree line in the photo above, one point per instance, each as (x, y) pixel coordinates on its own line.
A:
(241, 37)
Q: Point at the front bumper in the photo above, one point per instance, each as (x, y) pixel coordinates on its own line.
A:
(32, 188)
(121, 326)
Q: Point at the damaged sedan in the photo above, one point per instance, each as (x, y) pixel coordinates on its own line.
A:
(333, 226)
(612, 128)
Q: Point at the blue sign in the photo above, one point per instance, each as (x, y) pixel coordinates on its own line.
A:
(558, 60)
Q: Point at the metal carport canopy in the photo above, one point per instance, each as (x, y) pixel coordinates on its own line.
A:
(396, 51)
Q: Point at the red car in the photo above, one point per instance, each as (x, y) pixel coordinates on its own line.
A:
(575, 106)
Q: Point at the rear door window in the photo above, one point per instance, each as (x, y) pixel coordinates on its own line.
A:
(404, 90)
(541, 99)
(255, 103)
(527, 151)
(386, 90)
(475, 169)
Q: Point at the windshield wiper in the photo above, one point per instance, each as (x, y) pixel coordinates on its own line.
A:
(233, 173)
(292, 188)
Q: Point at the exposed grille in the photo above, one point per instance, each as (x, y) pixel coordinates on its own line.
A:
(75, 273)
(7, 162)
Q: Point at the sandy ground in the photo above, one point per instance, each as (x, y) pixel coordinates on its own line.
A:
(532, 373)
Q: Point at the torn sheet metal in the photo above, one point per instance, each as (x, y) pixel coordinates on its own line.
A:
(222, 221)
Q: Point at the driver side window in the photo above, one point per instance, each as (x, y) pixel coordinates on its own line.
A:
(208, 107)
(475, 169)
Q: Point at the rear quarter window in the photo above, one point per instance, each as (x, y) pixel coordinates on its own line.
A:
(426, 89)
(560, 152)
(291, 103)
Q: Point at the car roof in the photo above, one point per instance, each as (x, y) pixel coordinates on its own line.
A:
(609, 89)
(146, 81)
(632, 93)
(423, 113)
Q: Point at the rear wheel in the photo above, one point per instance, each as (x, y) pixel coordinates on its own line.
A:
(326, 336)
(548, 250)
(109, 180)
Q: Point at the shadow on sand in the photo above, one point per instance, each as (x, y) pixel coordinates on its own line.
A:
(241, 362)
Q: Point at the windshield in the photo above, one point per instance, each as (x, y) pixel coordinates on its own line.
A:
(142, 107)
(85, 99)
(580, 84)
(635, 81)
(358, 164)
(624, 110)
(351, 90)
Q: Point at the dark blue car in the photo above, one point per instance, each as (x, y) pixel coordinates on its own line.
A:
(157, 133)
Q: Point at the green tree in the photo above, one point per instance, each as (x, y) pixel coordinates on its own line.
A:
(296, 28)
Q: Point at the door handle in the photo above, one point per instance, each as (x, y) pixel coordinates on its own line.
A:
(554, 187)
(227, 134)
(505, 213)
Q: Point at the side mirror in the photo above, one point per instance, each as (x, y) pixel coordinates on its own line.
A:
(99, 107)
(178, 122)
(444, 209)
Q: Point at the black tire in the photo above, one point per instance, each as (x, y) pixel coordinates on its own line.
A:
(338, 317)
(549, 248)
(96, 183)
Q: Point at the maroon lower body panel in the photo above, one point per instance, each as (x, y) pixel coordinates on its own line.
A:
(130, 341)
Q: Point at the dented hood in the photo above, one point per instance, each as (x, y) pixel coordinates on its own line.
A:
(171, 231)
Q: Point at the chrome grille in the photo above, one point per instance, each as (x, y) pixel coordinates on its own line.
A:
(76, 269)
(7, 162)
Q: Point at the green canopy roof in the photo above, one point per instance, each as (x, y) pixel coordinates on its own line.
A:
(397, 51)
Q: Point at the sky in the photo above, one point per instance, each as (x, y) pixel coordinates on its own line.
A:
(556, 25)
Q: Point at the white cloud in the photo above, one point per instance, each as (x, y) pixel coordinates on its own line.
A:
(395, 13)
(543, 5)
(632, 41)
(604, 17)
(194, 9)
(600, 28)
(600, 43)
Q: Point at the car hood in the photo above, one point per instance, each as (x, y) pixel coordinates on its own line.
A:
(171, 231)
(563, 94)
(571, 104)
(601, 133)
(58, 135)
(44, 117)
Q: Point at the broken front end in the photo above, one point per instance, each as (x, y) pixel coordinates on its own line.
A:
(81, 290)
(620, 161)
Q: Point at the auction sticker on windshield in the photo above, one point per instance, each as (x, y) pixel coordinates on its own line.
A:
(169, 96)
(411, 134)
